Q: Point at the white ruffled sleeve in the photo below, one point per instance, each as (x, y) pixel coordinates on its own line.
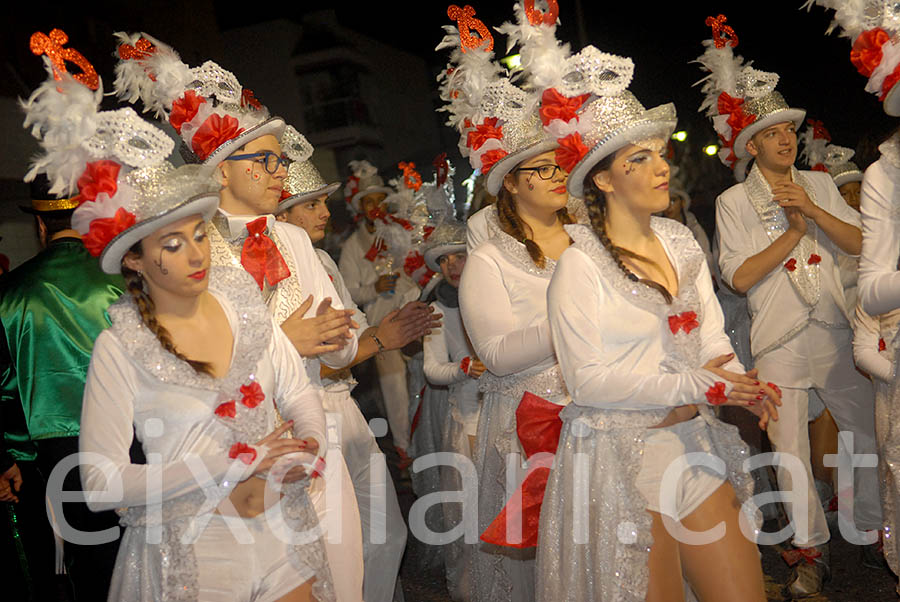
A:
(879, 280)
(576, 298)
(487, 315)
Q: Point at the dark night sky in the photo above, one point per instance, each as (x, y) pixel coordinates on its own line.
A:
(661, 38)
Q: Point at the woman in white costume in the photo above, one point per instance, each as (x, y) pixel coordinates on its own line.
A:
(639, 337)
(192, 366)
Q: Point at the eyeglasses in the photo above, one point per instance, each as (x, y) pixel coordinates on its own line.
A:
(271, 161)
(544, 172)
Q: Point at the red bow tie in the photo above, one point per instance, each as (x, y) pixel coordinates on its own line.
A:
(686, 321)
(260, 257)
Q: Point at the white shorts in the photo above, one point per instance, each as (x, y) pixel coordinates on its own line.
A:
(662, 447)
(262, 569)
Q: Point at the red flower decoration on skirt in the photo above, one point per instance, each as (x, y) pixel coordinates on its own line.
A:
(226, 410)
(105, 229)
(715, 395)
(489, 158)
(881, 345)
(791, 265)
(253, 394)
(215, 131)
(814, 259)
(97, 177)
(184, 109)
(570, 151)
(242, 451)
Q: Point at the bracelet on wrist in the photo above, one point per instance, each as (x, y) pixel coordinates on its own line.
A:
(378, 342)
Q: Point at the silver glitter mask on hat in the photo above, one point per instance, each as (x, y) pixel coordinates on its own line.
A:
(594, 72)
(123, 136)
(157, 190)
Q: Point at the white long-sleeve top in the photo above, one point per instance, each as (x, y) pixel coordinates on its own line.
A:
(308, 277)
(879, 279)
(613, 337)
(444, 349)
(482, 225)
(132, 383)
(869, 335)
(360, 276)
(777, 309)
(503, 301)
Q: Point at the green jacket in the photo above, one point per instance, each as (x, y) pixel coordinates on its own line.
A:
(52, 309)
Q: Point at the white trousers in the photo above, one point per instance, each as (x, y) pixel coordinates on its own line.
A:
(383, 529)
(821, 358)
(392, 379)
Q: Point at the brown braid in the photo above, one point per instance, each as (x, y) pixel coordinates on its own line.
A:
(512, 224)
(135, 285)
(595, 200)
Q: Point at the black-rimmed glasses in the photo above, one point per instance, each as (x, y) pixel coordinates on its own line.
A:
(270, 161)
(544, 172)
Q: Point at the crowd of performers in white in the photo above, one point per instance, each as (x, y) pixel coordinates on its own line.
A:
(563, 410)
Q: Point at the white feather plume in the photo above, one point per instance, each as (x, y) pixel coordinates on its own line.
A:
(542, 55)
(723, 69)
(62, 114)
(849, 15)
(463, 82)
(170, 76)
(813, 149)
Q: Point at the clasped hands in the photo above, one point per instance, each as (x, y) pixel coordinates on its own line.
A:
(796, 204)
(329, 330)
(747, 392)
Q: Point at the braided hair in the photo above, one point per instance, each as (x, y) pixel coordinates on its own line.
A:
(595, 200)
(134, 282)
(512, 224)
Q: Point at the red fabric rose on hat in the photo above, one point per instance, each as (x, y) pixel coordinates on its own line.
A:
(556, 106)
(105, 229)
(866, 52)
(184, 109)
(483, 132)
(98, 177)
(570, 151)
(215, 131)
(489, 158)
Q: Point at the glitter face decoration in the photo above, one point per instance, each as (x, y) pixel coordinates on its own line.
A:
(466, 22)
(52, 46)
(719, 28)
(536, 17)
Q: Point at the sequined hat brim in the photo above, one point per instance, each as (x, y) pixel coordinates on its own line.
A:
(658, 122)
(780, 116)
(111, 258)
(292, 200)
(495, 176)
(273, 125)
(847, 177)
(434, 253)
(355, 199)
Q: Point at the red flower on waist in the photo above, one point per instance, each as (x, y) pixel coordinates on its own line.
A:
(814, 259)
(791, 265)
(686, 321)
(226, 410)
(242, 451)
(715, 395)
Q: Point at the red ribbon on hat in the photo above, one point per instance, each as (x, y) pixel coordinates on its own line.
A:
(889, 82)
(556, 106)
(570, 151)
(538, 426)
(98, 177)
(104, 229)
(184, 109)
(866, 52)
(818, 129)
(686, 321)
(261, 258)
(213, 133)
(441, 168)
(486, 130)
(247, 98)
(819, 167)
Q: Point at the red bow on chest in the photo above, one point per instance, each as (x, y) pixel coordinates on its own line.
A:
(260, 257)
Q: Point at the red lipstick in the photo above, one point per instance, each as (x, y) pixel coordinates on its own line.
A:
(198, 275)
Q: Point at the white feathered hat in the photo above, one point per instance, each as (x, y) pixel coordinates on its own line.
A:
(363, 181)
(207, 106)
(739, 100)
(501, 119)
(115, 161)
(303, 181)
(821, 155)
(873, 26)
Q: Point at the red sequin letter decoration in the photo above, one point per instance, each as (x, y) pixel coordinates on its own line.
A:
(536, 17)
(719, 28)
(466, 22)
(52, 46)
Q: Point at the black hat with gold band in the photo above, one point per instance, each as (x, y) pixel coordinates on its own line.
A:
(42, 201)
